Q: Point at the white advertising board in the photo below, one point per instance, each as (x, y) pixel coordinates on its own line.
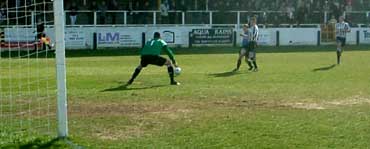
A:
(114, 38)
(117, 37)
(298, 36)
(365, 36)
(76, 38)
(20, 34)
(174, 36)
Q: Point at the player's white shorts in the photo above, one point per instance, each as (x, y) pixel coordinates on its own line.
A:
(252, 55)
(243, 51)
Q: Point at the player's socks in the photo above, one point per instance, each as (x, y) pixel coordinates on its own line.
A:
(255, 66)
(250, 65)
(338, 56)
(238, 65)
(171, 74)
(136, 73)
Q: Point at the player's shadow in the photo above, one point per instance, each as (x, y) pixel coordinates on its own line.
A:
(129, 88)
(326, 68)
(37, 143)
(224, 74)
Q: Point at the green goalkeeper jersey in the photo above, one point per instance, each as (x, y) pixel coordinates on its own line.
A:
(155, 47)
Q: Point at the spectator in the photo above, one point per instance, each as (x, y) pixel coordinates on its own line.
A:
(73, 13)
(326, 6)
(2, 12)
(348, 5)
(173, 15)
(113, 5)
(332, 20)
(290, 11)
(164, 8)
(301, 14)
(202, 5)
(103, 12)
(93, 7)
(309, 13)
(145, 15)
(335, 8)
(283, 16)
(181, 5)
(263, 17)
(213, 5)
(132, 6)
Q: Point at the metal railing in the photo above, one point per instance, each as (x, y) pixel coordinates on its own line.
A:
(97, 18)
(213, 18)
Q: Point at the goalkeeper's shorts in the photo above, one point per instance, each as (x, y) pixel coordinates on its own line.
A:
(153, 60)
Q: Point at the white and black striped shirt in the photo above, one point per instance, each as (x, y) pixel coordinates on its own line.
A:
(341, 29)
(254, 33)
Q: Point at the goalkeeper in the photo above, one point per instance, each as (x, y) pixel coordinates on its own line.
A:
(150, 54)
(46, 42)
(41, 37)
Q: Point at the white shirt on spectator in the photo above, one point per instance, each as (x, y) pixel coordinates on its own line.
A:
(164, 9)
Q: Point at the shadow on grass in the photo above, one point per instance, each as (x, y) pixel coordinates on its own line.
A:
(38, 143)
(225, 74)
(326, 68)
(128, 88)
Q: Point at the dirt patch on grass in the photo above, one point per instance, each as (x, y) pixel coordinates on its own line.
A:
(117, 109)
(177, 109)
(113, 135)
(149, 118)
(139, 118)
(356, 100)
(306, 106)
(245, 104)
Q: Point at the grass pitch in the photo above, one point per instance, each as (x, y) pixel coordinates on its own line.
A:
(298, 99)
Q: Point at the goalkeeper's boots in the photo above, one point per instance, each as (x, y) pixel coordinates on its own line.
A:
(130, 82)
(175, 83)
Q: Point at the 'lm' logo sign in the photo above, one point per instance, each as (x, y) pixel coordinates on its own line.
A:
(108, 38)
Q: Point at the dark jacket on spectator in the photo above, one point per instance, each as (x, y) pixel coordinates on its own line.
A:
(73, 10)
(113, 5)
(94, 6)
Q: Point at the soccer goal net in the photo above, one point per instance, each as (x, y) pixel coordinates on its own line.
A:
(29, 90)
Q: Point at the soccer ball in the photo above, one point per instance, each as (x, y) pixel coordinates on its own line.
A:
(177, 71)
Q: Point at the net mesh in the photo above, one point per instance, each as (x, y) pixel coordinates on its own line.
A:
(27, 72)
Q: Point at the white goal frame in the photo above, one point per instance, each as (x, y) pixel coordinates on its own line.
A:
(59, 25)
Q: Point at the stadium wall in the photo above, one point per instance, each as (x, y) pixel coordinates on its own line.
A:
(120, 37)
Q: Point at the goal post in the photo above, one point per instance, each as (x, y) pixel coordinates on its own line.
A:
(59, 24)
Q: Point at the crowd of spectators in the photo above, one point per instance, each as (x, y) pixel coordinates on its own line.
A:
(267, 11)
(2, 12)
(275, 11)
(298, 11)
